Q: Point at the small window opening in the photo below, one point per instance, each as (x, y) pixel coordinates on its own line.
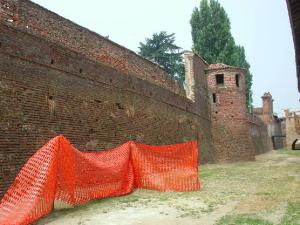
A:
(214, 97)
(52, 61)
(220, 79)
(237, 80)
(50, 97)
(80, 70)
(119, 106)
(0, 44)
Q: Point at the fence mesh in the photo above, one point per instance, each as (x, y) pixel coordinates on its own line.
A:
(58, 172)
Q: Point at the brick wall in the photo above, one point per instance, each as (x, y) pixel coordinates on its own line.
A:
(36, 20)
(259, 134)
(197, 92)
(267, 108)
(52, 83)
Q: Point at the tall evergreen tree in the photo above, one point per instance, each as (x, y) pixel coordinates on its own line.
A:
(213, 40)
(162, 50)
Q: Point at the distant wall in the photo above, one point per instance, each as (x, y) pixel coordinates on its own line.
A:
(259, 134)
(54, 80)
(275, 129)
(290, 129)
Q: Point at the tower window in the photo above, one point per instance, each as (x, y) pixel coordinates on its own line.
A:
(214, 97)
(237, 80)
(220, 79)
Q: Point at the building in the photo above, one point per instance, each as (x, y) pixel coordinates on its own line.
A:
(291, 124)
(294, 14)
(273, 122)
(57, 77)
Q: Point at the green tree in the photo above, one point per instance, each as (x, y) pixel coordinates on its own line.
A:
(212, 39)
(162, 50)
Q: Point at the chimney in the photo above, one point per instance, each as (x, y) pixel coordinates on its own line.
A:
(267, 107)
(189, 75)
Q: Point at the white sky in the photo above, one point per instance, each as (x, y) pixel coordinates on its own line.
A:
(261, 26)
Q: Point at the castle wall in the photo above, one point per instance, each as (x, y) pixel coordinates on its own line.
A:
(275, 129)
(259, 134)
(59, 78)
(32, 18)
(51, 82)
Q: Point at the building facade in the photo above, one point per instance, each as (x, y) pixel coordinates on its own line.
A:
(291, 125)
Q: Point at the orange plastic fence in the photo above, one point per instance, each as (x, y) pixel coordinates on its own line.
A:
(59, 172)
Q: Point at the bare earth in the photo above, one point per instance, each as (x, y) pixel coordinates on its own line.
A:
(262, 189)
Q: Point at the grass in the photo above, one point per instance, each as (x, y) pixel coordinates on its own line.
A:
(285, 151)
(275, 184)
(242, 220)
(292, 217)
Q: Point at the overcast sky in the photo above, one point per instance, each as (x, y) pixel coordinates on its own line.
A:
(261, 26)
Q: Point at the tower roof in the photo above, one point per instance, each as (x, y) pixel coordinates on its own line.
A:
(267, 95)
(218, 66)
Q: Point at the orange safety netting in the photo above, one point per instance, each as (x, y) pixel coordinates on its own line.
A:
(60, 172)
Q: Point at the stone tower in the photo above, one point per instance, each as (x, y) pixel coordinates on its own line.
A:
(267, 109)
(231, 129)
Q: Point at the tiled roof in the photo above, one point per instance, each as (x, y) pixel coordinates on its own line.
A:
(222, 66)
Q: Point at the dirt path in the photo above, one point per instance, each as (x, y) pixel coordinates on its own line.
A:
(263, 189)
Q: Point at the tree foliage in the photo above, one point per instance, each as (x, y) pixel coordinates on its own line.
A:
(162, 50)
(212, 39)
